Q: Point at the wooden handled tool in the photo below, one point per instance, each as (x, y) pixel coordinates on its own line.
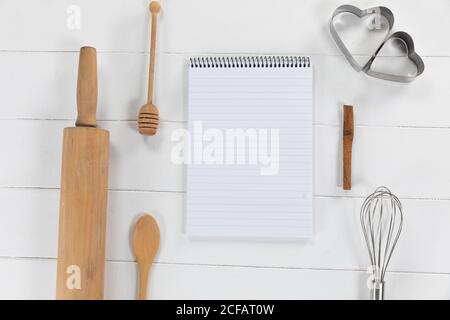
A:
(348, 144)
(84, 190)
(145, 245)
(149, 114)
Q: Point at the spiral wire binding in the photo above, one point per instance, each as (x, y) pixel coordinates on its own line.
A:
(251, 62)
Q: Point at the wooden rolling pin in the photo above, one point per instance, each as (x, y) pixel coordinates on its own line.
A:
(84, 190)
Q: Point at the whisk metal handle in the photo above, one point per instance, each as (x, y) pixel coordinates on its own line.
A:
(378, 290)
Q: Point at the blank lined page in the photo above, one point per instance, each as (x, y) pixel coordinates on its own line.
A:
(250, 148)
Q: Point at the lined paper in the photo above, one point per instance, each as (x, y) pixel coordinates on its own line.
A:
(227, 198)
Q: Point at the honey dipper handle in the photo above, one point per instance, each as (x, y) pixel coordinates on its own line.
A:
(154, 9)
(348, 144)
(87, 88)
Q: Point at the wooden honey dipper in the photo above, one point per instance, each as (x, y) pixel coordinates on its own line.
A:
(148, 114)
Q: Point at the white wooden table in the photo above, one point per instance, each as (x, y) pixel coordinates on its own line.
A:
(402, 141)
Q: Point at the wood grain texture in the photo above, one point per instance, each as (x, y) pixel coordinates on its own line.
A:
(154, 11)
(82, 222)
(87, 88)
(84, 193)
(347, 147)
(148, 114)
(146, 240)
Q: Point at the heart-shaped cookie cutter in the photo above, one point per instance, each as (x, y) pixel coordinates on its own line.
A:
(408, 42)
(402, 36)
(383, 11)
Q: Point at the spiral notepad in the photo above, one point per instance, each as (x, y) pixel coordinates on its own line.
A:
(249, 171)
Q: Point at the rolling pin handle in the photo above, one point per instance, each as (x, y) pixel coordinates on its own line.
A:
(87, 88)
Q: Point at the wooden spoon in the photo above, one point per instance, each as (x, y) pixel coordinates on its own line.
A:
(145, 245)
(149, 114)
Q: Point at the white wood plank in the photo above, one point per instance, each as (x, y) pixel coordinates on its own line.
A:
(35, 279)
(411, 162)
(50, 92)
(136, 162)
(377, 102)
(107, 25)
(205, 26)
(29, 226)
(399, 158)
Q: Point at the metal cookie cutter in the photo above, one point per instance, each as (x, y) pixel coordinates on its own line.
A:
(402, 36)
(411, 54)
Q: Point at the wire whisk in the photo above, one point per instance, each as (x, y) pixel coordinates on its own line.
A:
(381, 221)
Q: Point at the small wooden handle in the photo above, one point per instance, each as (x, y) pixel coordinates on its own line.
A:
(154, 7)
(87, 88)
(348, 144)
(144, 271)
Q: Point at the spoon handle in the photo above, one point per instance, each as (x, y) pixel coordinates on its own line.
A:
(144, 271)
(151, 71)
